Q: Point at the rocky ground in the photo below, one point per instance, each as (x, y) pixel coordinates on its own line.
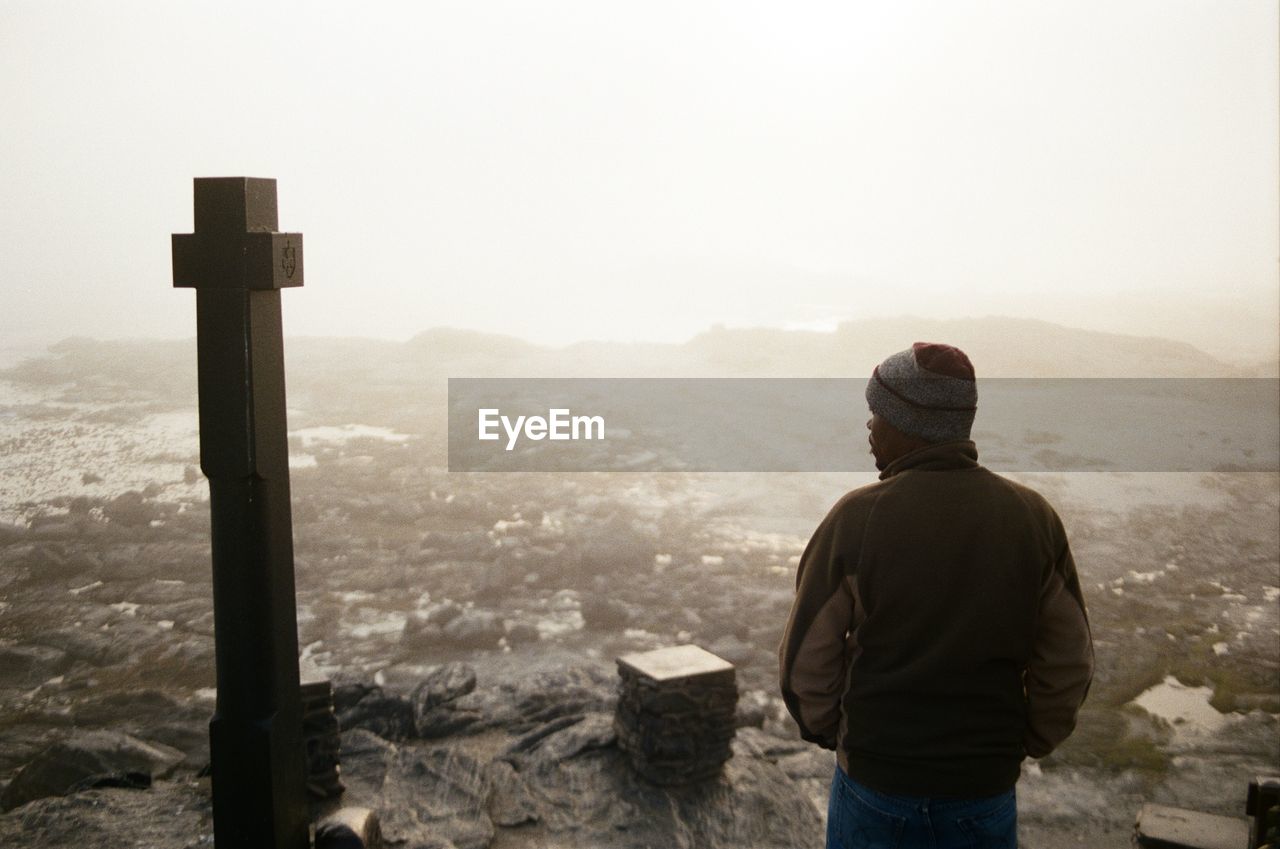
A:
(537, 582)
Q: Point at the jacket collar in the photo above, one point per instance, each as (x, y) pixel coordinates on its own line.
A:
(938, 457)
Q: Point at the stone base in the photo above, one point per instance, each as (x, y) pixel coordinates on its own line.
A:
(676, 712)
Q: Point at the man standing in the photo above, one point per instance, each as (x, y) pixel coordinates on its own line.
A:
(938, 635)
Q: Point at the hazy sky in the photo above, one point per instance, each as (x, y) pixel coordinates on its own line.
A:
(562, 171)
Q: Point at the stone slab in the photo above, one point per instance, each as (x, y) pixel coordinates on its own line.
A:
(1161, 827)
(675, 662)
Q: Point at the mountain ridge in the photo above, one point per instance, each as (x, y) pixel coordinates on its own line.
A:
(999, 346)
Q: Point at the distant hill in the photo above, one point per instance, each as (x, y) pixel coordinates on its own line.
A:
(998, 346)
(349, 371)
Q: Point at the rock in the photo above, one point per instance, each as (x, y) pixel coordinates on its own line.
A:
(161, 591)
(813, 763)
(11, 533)
(171, 813)
(436, 794)
(93, 647)
(770, 746)
(510, 802)
(132, 707)
(50, 561)
(130, 509)
(423, 796)
(349, 828)
(348, 694)
(571, 736)
(190, 738)
(441, 613)
(528, 742)
(432, 717)
(446, 720)
(27, 665)
(754, 707)
(520, 633)
(443, 684)
(594, 798)
(449, 622)
(523, 705)
(83, 755)
(549, 695)
(30, 734)
(364, 756)
(477, 629)
(124, 780)
(388, 716)
(606, 614)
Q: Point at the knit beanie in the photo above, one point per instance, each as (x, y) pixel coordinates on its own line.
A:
(927, 390)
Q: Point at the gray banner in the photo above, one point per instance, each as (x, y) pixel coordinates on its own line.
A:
(818, 424)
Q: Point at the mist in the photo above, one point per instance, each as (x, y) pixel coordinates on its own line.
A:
(571, 171)
(723, 194)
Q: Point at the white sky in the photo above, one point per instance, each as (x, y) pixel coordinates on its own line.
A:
(562, 171)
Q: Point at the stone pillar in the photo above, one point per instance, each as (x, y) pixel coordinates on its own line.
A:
(320, 731)
(675, 715)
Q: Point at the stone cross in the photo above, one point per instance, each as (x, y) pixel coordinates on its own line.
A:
(237, 264)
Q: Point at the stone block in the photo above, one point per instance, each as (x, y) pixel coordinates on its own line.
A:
(1161, 827)
(675, 716)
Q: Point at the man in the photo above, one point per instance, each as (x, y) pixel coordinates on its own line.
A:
(938, 635)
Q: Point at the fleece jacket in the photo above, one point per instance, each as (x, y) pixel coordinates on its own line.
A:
(938, 634)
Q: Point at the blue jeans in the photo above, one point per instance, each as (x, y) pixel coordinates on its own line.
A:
(861, 818)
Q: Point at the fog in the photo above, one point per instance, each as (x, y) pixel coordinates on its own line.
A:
(651, 190)
(568, 171)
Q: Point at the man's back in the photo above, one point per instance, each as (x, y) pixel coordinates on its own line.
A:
(921, 600)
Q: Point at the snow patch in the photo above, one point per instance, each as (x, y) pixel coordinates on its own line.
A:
(1186, 708)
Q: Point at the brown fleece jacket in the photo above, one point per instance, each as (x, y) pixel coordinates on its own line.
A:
(938, 634)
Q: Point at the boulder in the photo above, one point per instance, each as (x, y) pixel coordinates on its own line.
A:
(93, 647)
(569, 737)
(474, 629)
(594, 798)
(510, 802)
(389, 716)
(520, 633)
(29, 665)
(443, 684)
(535, 700)
(423, 796)
(11, 533)
(171, 813)
(132, 707)
(432, 716)
(131, 509)
(448, 622)
(83, 756)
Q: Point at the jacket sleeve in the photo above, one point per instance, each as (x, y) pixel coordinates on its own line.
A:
(1058, 676)
(813, 655)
